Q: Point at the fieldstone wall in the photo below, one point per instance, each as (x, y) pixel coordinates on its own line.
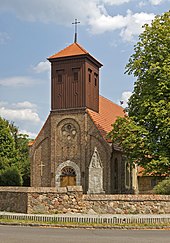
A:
(72, 200)
(13, 199)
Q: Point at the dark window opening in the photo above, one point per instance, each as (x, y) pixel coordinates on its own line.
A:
(76, 74)
(60, 75)
(89, 77)
(89, 72)
(60, 78)
(95, 79)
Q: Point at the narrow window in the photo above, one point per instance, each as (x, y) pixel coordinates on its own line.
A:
(127, 175)
(89, 74)
(75, 74)
(89, 77)
(60, 75)
(95, 79)
(59, 78)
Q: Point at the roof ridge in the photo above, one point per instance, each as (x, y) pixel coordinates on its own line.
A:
(81, 48)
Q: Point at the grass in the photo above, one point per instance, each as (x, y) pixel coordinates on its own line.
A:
(85, 224)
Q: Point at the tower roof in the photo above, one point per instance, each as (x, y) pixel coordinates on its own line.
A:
(71, 50)
(74, 49)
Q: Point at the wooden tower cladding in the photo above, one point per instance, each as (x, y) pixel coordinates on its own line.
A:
(74, 79)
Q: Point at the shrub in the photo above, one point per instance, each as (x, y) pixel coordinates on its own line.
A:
(163, 187)
(10, 177)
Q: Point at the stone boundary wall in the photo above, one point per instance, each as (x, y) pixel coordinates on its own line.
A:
(71, 200)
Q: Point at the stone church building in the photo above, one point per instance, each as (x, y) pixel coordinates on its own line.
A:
(72, 146)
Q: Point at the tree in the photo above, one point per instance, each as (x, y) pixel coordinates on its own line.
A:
(10, 177)
(163, 187)
(14, 153)
(149, 106)
(7, 148)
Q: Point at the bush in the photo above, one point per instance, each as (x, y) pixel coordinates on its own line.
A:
(163, 187)
(10, 177)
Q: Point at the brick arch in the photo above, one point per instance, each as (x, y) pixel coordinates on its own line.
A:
(62, 166)
(69, 120)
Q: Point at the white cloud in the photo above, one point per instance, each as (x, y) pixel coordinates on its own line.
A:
(125, 97)
(129, 25)
(24, 115)
(4, 37)
(42, 67)
(60, 12)
(91, 12)
(18, 81)
(115, 2)
(107, 23)
(156, 2)
(25, 104)
(19, 114)
(30, 134)
(134, 23)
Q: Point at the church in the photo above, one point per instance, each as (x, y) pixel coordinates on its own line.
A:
(72, 148)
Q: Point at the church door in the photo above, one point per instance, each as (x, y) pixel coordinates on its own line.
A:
(68, 177)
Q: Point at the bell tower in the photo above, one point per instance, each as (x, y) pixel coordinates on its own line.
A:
(74, 79)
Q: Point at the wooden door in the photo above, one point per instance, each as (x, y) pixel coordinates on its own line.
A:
(67, 181)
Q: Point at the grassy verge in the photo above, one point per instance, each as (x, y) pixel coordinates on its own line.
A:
(82, 225)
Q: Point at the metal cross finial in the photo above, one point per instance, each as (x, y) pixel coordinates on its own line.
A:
(75, 37)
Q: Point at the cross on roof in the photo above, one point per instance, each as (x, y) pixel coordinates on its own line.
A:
(75, 23)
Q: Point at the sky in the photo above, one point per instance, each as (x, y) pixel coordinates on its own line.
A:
(33, 30)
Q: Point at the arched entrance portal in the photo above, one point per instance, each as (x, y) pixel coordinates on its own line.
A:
(68, 177)
(68, 173)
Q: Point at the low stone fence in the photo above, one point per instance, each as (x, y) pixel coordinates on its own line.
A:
(71, 200)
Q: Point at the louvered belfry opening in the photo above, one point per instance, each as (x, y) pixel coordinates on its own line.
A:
(74, 79)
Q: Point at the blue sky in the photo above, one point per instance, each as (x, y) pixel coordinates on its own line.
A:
(31, 31)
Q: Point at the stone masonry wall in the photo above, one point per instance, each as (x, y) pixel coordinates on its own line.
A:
(13, 199)
(72, 200)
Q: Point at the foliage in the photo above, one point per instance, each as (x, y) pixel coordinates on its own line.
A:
(14, 150)
(10, 177)
(149, 106)
(163, 187)
(7, 148)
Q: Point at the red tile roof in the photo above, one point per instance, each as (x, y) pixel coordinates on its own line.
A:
(71, 50)
(108, 113)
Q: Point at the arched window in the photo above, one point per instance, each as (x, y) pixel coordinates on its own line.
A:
(68, 171)
(127, 175)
